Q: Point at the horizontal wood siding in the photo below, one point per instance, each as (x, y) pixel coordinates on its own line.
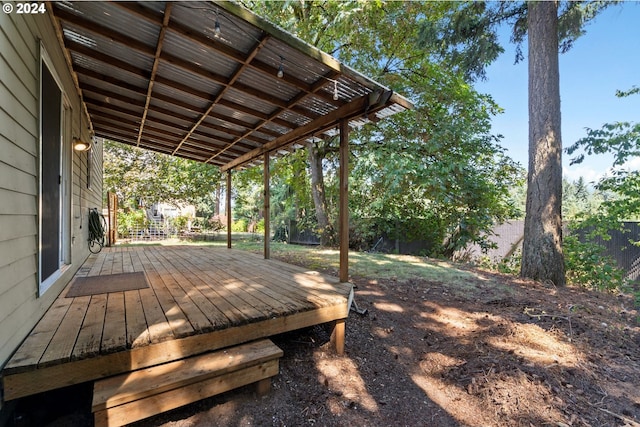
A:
(20, 305)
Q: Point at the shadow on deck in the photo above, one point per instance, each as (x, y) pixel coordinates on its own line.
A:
(198, 299)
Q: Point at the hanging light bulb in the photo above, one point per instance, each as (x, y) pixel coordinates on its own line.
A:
(335, 90)
(281, 68)
(216, 26)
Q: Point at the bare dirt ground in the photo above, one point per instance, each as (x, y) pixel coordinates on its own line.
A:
(495, 351)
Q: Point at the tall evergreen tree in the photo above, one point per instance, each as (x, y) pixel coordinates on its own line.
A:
(542, 257)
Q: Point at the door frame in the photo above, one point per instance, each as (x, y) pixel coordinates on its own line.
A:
(65, 167)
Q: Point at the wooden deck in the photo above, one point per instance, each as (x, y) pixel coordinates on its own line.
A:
(199, 299)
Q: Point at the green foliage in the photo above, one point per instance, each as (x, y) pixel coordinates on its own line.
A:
(508, 265)
(239, 225)
(620, 190)
(130, 219)
(579, 200)
(179, 223)
(621, 187)
(437, 171)
(134, 173)
(587, 265)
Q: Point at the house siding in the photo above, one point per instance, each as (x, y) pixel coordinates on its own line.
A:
(21, 306)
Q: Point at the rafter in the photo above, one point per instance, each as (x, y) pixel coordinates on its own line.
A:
(159, 77)
(154, 68)
(236, 75)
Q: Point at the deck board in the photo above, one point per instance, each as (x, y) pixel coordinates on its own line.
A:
(90, 335)
(172, 279)
(199, 299)
(61, 345)
(114, 337)
(137, 329)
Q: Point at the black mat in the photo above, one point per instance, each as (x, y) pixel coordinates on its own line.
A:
(93, 285)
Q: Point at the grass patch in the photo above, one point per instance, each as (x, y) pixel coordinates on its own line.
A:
(373, 266)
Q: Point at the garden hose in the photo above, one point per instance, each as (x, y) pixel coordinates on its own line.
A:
(96, 231)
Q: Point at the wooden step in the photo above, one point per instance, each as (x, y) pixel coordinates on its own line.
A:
(130, 397)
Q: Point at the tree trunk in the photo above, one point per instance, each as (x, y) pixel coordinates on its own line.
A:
(327, 233)
(216, 206)
(542, 257)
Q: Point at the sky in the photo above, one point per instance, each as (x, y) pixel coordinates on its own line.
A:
(605, 59)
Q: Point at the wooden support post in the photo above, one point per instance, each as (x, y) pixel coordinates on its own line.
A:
(337, 336)
(263, 386)
(229, 209)
(267, 207)
(344, 201)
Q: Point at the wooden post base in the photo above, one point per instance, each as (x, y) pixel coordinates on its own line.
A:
(337, 336)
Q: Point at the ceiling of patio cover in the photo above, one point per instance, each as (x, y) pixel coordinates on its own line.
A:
(158, 75)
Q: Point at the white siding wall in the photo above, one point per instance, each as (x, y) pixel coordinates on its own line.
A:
(20, 305)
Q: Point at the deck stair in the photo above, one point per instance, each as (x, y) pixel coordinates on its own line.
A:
(133, 396)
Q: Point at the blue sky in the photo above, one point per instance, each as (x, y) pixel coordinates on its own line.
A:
(603, 60)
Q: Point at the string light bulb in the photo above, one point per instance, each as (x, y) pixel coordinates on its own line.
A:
(335, 90)
(216, 26)
(280, 73)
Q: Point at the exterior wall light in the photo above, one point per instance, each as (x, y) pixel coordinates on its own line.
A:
(80, 145)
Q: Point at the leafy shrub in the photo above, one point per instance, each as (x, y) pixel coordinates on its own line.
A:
(508, 265)
(127, 220)
(179, 223)
(239, 225)
(587, 265)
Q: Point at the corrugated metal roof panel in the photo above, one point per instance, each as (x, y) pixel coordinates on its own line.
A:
(275, 87)
(118, 19)
(197, 54)
(127, 92)
(113, 47)
(108, 70)
(179, 75)
(295, 63)
(249, 102)
(250, 120)
(202, 15)
(181, 97)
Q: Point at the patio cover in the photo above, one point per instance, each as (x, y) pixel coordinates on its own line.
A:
(160, 76)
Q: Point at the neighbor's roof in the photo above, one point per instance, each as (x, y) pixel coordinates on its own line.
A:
(157, 75)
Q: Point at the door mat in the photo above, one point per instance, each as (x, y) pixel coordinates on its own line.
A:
(93, 285)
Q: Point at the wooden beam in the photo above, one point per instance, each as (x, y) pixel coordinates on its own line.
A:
(110, 107)
(343, 227)
(154, 68)
(236, 75)
(122, 65)
(229, 209)
(267, 207)
(20, 383)
(354, 108)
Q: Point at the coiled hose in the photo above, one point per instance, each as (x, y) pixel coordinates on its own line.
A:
(97, 226)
